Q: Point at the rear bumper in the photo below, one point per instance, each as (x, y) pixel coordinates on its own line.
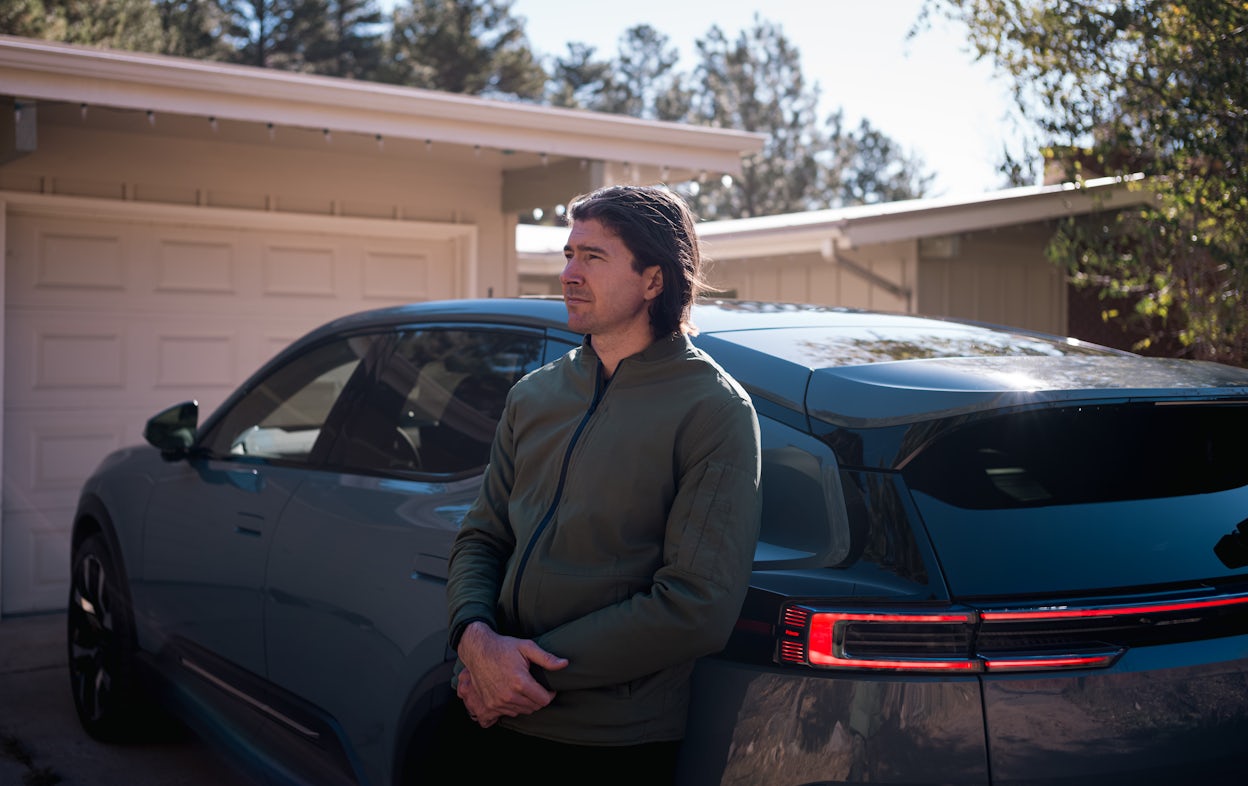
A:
(758, 725)
(1167, 714)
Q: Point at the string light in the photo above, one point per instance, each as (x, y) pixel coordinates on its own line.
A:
(271, 129)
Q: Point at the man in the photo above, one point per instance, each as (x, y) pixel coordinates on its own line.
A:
(611, 543)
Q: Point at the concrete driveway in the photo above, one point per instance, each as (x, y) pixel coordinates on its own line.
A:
(41, 743)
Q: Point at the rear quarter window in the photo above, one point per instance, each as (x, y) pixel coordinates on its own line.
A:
(1086, 499)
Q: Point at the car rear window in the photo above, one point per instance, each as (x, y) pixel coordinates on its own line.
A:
(1085, 499)
(1086, 454)
(827, 347)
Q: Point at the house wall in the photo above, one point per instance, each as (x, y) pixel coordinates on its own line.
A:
(1000, 276)
(876, 277)
(368, 184)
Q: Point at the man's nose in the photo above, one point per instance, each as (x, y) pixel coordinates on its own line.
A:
(571, 272)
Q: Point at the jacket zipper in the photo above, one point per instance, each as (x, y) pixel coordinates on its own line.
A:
(600, 387)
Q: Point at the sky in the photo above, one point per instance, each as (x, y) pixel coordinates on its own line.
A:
(927, 93)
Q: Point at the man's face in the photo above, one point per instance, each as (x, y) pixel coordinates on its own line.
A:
(603, 293)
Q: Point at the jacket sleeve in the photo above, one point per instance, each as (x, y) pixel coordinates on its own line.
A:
(695, 598)
(485, 540)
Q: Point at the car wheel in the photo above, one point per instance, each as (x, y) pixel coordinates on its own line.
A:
(101, 643)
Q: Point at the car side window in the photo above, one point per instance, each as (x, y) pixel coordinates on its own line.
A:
(283, 416)
(436, 402)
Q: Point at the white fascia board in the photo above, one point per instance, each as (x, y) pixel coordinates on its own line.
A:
(862, 225)
(1042, 204)
(51, 71)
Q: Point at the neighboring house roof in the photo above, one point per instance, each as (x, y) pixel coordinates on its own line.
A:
(190, 93)
(540, 248)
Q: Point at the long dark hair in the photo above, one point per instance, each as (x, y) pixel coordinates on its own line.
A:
(657, 227)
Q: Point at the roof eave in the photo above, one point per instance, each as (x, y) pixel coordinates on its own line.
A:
(817, 231)
(50, 71)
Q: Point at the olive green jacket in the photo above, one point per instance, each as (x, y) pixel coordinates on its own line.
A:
(616, 527)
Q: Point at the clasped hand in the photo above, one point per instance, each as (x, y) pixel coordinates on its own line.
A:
(496, 680)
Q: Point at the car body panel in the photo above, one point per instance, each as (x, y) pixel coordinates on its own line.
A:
(884, 394)
(764, 725)
(208, 528)
(356, 587)
(1169, 714)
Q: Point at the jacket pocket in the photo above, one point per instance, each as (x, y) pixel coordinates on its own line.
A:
(702, 540)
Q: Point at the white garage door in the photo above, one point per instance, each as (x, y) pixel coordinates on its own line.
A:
(114, 312)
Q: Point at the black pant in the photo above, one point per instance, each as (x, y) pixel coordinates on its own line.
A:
(461, 752)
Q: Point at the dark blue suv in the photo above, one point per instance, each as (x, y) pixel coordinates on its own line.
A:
(987, 556)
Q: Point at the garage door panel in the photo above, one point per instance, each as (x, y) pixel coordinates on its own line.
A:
(299, 270)
(409, 275)
(36, 559)
(52, 261)
(197, 266)
(53, 358)
(51, 454)
(196, 271)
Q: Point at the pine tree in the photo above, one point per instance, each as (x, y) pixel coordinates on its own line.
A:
(462, 46)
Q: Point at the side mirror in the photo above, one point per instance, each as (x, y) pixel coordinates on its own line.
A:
(173, 429)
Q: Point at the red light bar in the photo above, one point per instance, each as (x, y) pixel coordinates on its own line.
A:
(1076, 612)
(1084, 661)
(826, 636)
(845, 639)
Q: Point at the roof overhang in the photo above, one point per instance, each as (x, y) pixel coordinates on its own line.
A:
(826, 231)
(527, 134)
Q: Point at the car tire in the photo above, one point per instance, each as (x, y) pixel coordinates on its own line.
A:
(110, 704)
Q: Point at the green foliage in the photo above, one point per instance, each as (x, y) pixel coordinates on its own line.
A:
(577, 78)
(116, 24)
(642, 81)
(873, 168)
(462, 46)
(755, 83)
(352, 46)
(1152, 86)
(192, 28)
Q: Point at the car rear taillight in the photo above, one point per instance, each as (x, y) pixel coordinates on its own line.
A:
(997, 639)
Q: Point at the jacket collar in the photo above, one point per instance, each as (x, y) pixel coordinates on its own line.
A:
(673, 344)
